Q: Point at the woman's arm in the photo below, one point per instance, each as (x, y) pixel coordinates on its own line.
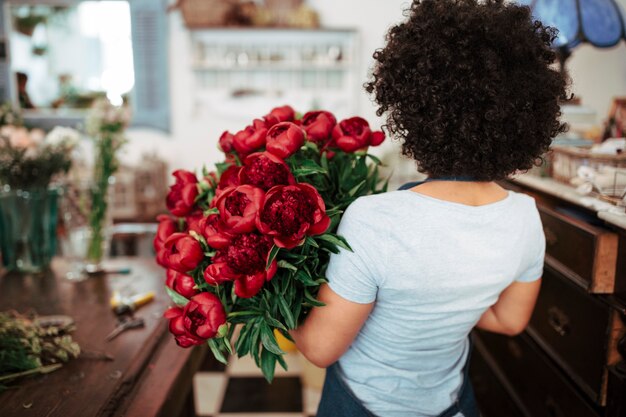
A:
(511, 313)
(328, 331)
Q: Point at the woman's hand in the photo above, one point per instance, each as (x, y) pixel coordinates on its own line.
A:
(328, 331)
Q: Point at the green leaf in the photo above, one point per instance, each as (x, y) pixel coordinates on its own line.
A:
(268, 364)
(227, 345)
(286, 265)
(312, 146)
(312, 300)
(354, 190)
(269, 340)
(335, 240)
(219, 355)
(376, 160)
(324, 161)
(274, 323)
(310, 241)
(286, 312)
(221, 167)
(254, 342)
(282, 362)
(272, 255)
(304, 278)
(210, 211)
(242, 345)
(178, 299)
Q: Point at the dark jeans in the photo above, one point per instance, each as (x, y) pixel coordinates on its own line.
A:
(339, 401)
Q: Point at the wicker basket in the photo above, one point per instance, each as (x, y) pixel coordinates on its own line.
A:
(566, 162)
(205, 13)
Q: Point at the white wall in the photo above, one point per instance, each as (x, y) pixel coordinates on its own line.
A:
(597, 76)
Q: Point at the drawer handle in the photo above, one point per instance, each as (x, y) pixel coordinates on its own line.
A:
(559, 321)
(551, 237)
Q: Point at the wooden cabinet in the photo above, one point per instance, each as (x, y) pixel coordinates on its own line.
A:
(570, 360)
(586, 253)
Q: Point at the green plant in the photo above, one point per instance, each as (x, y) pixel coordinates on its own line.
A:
(27, 347)
(106, 124)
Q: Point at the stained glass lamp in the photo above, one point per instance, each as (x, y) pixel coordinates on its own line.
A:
(601, 23)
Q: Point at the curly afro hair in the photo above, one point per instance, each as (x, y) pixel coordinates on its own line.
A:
(468, 88)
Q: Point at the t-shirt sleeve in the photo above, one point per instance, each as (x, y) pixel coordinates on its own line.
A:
(355, 275)
(536, 250)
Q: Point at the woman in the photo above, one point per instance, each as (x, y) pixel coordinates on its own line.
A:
(468, 88)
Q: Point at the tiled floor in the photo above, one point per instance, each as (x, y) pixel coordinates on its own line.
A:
(239, 390)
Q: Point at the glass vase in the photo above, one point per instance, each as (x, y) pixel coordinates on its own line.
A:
(28, 222)
(85, 238)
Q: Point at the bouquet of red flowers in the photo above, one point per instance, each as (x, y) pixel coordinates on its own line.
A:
(249, 244)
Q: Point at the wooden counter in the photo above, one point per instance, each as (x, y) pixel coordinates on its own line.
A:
(149, 375)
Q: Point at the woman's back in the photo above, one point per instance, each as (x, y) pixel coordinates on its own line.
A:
(433, 267)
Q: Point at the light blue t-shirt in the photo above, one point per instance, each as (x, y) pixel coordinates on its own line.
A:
(432, 267)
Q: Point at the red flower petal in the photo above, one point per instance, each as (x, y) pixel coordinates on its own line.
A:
(249, 285)
(377, 138)
(319, 227)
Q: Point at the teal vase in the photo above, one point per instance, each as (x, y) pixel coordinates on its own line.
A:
(28, 221)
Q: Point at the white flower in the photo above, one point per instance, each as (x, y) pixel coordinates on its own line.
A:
(63, 137)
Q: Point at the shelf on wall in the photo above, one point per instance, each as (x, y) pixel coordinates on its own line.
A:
(318, 66)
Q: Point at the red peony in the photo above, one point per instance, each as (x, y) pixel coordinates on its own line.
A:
(251, 139)
(229, 178)
(219, 271)
(353, 134)
(182, 252)
(284, 139)
(279, 115)
(226, 142)
(195, 221)
(248, 253)
(181, 198)
(238, 207)
(183, 284)
(177, 328)
(265, 171)
(167, 227)
(318, 126)
(213, 231)
(244, 262)
(198, 321)
(290, 213)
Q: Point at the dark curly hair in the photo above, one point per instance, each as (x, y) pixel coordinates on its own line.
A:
(468, 87)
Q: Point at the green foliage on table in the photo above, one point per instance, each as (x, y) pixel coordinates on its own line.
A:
(26, 347)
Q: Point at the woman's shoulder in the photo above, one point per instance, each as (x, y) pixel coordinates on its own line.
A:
(376, 205)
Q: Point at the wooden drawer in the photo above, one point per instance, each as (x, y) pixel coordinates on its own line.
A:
(541, 387)
(491, 389)
(587, 254)
(620, 274)
(577, 330)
